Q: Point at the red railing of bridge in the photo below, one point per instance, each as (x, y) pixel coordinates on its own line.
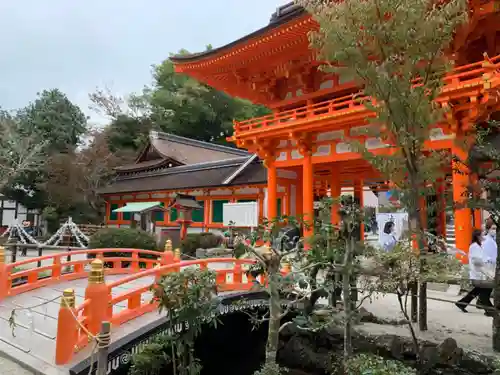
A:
(78, 323)
(342, 108)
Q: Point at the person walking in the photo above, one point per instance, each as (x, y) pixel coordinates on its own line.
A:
(477, 276)
(388, 238)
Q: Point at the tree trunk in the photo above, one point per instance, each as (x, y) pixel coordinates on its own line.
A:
(496, 300)
(422, 287)
(346, 290)
(274, 310)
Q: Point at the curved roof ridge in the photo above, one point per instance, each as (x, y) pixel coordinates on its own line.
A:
(153, 135)
(283, 14)
(236, 162)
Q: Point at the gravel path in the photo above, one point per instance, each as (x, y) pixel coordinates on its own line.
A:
(472, 331)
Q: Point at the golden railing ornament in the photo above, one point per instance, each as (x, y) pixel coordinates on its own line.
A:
(68, 298)
(168, 245)
(177, 253)
(96, 275)
(2, 254)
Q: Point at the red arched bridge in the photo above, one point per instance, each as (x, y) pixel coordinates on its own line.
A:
(62, 303)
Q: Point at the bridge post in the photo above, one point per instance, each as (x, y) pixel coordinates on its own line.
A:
(237, 274)
(67, 328)
(98, 293)
(177, 259)
(4, 275)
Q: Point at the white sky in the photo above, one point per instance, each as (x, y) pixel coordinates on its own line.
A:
(77, 45)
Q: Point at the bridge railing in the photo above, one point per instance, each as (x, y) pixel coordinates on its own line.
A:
(56, 267)
(76, 324)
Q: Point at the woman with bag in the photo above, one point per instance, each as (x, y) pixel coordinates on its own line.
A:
(478, 276)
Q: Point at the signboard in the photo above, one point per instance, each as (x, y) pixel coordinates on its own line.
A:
(243, 214)
(400, 221)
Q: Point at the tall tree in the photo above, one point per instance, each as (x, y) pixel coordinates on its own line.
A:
(19, 153)
(75, 178)
(385, 46)
(183, 106)
(130, 122)
(58, 125)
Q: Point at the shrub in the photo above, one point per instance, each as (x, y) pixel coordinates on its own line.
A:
(124, 238)
(195, 241)
(365, 364)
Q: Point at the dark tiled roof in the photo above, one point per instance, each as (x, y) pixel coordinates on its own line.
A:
(282, 15)
(202, 175)
(191, 151)
(156, 163)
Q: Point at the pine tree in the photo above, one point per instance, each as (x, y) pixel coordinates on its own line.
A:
(396, 51)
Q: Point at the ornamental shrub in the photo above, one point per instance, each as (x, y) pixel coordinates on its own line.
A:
(123, 238)
(204, 240)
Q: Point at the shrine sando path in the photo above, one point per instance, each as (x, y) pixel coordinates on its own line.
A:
(46, 338)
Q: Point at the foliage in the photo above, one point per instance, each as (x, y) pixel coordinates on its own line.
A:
(130, 122)
(364, 364)
(271, 369)
(398, 60)
(484, 164)
(53, 122)
(75, 178)
(194, 241)
(20, 152)
(183, 106)
(122, 238)
(187, 298)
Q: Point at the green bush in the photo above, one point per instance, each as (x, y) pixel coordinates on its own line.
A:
(203, 240)
(366, 364)
(123, 238)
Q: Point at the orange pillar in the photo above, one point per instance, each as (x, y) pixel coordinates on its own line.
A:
(335, 192)
(298, 196)
(5, 283)
(98, 310)
(358, 196)
(463, 214)
(308, 193)
(67, 328)
(441, 214)
(260, 200)
(272, 191)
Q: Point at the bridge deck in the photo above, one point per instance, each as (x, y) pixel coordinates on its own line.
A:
(34, 341)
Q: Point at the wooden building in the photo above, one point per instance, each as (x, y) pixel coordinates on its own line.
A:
(12, 212)
(213, 173)
(313, 111)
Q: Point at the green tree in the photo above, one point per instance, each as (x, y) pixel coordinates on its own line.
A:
(183, 106)
(484, 163)
(130, 122)
(55, 119)
(57, 124)
(20, 153)
(386, 46)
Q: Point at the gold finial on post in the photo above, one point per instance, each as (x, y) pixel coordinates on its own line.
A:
(68, 298)
(96, 275)
(2, 254)
(168, 245)
(177, 253)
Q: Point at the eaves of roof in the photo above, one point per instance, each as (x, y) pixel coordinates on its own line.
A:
(294, 12)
